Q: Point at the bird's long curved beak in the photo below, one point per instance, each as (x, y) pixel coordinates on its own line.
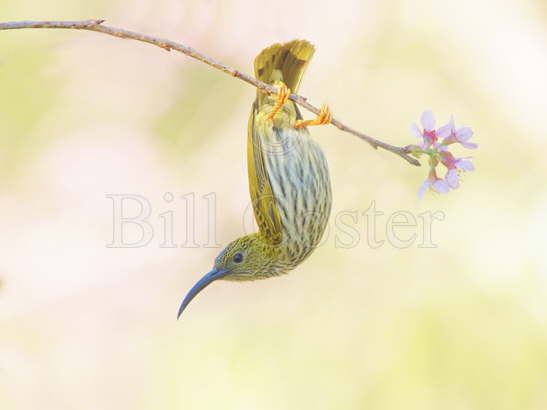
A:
(202, 284)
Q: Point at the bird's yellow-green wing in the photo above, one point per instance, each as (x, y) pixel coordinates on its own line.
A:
(279, 62)
(262, 197)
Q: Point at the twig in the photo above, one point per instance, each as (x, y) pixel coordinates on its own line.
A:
(96, 25)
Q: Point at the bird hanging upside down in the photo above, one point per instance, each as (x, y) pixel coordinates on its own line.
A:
(288, 177)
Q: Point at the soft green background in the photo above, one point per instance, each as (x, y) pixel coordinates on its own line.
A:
(83, 115)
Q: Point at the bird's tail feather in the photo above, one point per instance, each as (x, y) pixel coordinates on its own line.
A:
(283, 62)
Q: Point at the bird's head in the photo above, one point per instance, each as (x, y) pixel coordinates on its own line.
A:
(246, 258)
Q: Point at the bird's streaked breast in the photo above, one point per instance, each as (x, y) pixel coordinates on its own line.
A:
(299, 176)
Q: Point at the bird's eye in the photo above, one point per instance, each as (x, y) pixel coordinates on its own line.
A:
(238, 258)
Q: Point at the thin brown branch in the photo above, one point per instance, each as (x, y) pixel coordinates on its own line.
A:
(96, 25)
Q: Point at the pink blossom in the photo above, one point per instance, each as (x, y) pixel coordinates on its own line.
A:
(451, 162)
(429, 134)
(434, 183)
(436, 145)
(461, 135)
(448, 159)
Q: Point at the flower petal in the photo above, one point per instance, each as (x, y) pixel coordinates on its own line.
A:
(428, 120)
(469, 145)
(421, 191)
(465, 164)
(452, 179)
(444, 131)
(464, 133)
(415, 130)
(441, 186)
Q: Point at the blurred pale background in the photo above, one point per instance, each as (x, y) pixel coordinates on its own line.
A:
(83, 115)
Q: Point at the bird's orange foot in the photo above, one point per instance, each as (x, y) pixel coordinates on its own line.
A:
(324, 117)
(283, 93)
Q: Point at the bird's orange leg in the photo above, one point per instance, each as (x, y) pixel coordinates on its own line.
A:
(324, 117)
(283, 93)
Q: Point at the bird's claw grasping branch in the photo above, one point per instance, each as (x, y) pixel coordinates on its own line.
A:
(96, 25)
